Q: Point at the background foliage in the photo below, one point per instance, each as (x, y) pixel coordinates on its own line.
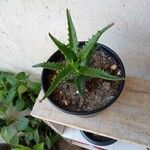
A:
(17, 127)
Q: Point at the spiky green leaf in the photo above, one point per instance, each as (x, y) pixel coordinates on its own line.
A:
(69, 55)
(58, 79)
(73, 42)
(97, 73)
(49, 65)
(88, 49)
(80, 84)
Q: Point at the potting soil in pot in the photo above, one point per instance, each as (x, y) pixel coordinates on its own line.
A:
(98, 92)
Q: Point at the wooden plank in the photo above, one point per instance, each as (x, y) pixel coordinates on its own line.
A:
(56, 127)
(75, 135)
(128, 119)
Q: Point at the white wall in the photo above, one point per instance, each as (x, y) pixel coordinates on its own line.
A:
(24, 27)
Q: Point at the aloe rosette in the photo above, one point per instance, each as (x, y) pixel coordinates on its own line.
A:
(77, 60)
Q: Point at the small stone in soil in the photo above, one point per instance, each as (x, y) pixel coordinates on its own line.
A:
(77, 92)
(83, 107)
(73, 103)
(108, 98)
(66, 102)
(107, 85)
(113, 67)
(60, 92)
(119, 72)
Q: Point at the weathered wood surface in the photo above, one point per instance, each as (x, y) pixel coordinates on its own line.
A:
(128, 119)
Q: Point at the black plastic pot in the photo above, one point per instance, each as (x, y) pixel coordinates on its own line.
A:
(99, 140)
(57, 56)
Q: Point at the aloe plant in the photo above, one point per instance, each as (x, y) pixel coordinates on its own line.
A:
(77, 60)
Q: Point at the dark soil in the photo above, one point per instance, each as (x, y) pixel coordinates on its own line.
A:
(98, 92)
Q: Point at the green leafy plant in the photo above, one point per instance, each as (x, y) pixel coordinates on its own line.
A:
(77, 60)
(17, 127)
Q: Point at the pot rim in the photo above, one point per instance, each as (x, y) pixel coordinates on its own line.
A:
(119, 89)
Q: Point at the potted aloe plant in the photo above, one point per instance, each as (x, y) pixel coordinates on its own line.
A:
(82, 78)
